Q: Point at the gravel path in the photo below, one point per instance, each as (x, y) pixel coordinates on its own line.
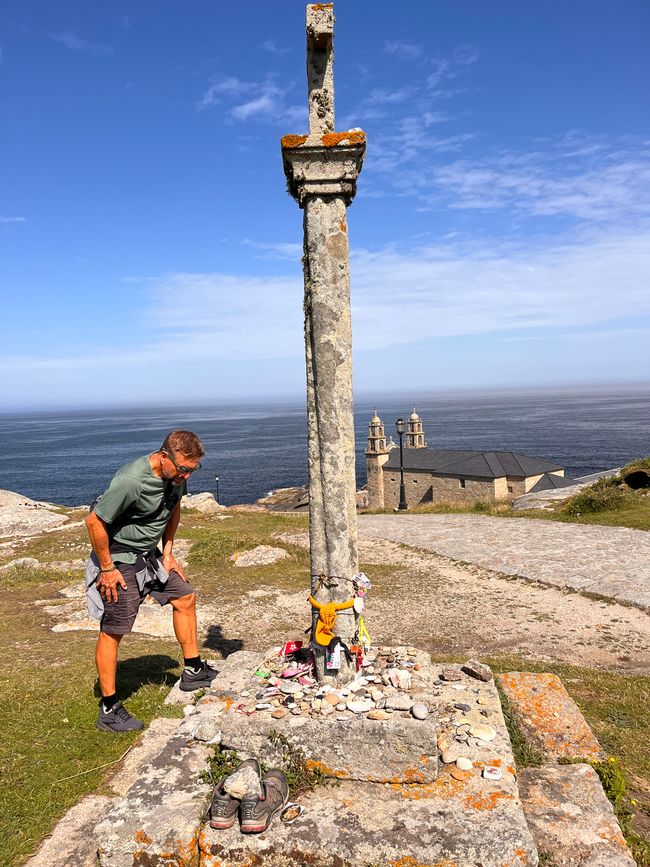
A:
(613, 562)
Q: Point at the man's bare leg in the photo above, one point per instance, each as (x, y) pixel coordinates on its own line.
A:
(185, 624)
(114, 718)
(106, 659)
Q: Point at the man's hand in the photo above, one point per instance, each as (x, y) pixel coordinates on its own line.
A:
(107, 584)
(170, 562)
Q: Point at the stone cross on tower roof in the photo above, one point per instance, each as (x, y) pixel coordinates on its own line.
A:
(322, 170)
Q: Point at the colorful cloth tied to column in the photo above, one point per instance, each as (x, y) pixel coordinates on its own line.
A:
(327, 618)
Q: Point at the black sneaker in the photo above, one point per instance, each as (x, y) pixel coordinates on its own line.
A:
(199, 680)
(117, 719)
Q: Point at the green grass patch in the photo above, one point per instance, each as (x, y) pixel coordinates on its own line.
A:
(51, 753)
(526, 756)
(632, 510)
(617, 707)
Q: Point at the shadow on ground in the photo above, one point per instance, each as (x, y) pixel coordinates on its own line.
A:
(157, 668)
(216, 640)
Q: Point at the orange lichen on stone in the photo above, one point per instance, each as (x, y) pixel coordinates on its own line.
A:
(320, 6)
(331, 139)
(293, 141)
(227, 700)
(142, 837)
(342, 226)
(544, 707)
(443, 787)
(410, 861)
(411, 775)
(314, 765)
(612, 835)
(487, 802)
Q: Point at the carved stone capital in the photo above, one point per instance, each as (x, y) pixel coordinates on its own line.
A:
(323, 165)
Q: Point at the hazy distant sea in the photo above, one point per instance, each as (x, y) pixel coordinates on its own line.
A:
(69, 457)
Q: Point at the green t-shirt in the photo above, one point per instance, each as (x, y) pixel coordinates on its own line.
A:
(136, 507)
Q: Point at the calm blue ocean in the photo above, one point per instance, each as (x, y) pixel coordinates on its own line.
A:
(69, 457)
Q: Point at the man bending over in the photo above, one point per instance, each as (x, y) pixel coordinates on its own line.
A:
(141, 507)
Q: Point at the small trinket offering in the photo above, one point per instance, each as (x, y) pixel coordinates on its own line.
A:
(492, 773)
(291, 812)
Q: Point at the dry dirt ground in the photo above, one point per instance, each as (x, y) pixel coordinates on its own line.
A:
(444, 606)
(419, 598)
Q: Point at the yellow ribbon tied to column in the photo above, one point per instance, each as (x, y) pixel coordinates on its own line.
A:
(327, 618)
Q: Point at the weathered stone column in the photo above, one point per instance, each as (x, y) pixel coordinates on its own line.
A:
(322, 170)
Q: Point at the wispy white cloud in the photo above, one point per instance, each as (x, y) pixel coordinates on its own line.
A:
(267, 104)
(479, 288)
(403, 49)
(276, 250)
(264, 101)
(75, 43)
(399, 296)
(13, 219)
(273, 48)
(574, 177)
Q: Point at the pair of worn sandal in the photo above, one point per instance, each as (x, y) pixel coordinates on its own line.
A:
(255, 813)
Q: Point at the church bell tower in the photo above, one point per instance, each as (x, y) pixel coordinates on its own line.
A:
(415, 432)
(376, 457)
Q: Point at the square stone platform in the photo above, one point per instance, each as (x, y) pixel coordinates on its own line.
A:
(390, 801)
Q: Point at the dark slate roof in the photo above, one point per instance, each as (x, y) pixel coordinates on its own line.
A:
(548, 482)
(461, 462)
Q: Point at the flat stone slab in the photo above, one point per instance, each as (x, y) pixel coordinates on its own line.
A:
(548, 717)
(158, 821)
(448, 823)
(395, 750)
(570, 817)
(72, 843)
(609, 561)
(457, 820)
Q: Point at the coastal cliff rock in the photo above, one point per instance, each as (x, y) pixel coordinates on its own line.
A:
(20, 516)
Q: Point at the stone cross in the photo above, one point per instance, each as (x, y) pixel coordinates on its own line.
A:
(322, 170)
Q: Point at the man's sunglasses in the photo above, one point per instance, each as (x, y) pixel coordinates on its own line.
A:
(181, 469)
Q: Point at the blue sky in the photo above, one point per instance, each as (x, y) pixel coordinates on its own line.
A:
(150, 253)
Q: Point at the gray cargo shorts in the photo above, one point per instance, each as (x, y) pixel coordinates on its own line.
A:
(119, 617)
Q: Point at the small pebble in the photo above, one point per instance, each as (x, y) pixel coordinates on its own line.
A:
(483, 732)
(279, 713)
(462, 706)
(262, 705)
(464, 764)
(420, 711)
(449, 757)
(378, 714)
(457, 774)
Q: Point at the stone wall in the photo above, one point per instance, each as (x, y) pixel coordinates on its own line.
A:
(424, 487)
